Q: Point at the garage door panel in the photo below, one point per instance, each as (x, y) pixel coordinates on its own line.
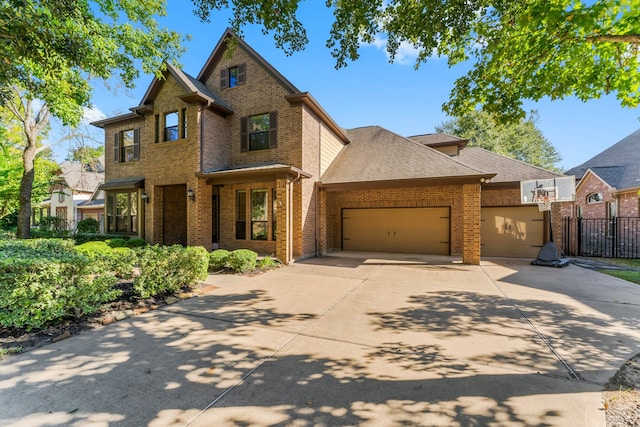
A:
(512, 231)
(403, 230)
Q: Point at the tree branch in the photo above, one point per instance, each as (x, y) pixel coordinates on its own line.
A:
(616, 38)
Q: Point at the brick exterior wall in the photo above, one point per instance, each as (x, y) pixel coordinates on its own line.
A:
(588, 185)
(629, 204)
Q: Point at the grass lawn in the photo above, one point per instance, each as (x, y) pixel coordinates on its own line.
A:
(631, 276)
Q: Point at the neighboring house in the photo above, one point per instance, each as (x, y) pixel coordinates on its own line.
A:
(75, 194)
(607, 185)
(238, 157)
(604, 220)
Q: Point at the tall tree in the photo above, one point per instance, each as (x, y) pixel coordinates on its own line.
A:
(56, 46)
(521, 140)
(525, 49)
(12, 143)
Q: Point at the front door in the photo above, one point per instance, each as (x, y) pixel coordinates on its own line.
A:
(174, 217)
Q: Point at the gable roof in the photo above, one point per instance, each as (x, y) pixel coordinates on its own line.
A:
(618, 165)
(221, 48)
(77, 177)
(376, 154)
(195, 91)
(506, 168)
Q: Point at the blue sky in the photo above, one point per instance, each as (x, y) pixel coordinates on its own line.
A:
(371, 91)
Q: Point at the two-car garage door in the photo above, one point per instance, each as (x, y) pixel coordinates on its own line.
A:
(515, 232)
(399, 230)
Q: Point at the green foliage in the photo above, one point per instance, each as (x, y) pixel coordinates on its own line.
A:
(267, 263)
(517, 50)
(520, 140)
(11, 169)
(136, 243)
(242, 260)
(57, 224)
(120, 261)
(218, 259)
(54, 46)
(44, 281)
(88, 225)
(117, 242)
(36, 246)
(165, 269)
(81, 238)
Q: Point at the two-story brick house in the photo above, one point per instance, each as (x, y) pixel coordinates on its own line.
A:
(238, 157)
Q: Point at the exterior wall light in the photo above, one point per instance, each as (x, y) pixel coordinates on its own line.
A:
(191, 195)
(145, 197)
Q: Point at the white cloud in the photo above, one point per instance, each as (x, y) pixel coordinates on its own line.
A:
(406, 54)
(92, 114)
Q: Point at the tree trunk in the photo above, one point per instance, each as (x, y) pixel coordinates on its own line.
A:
(26, 185)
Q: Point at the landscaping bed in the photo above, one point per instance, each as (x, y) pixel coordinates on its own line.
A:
(17, 340)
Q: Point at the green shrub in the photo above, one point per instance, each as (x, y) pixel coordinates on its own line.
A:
(136, 243)
(218, 259)
(242, 260)
(37, 246)
(41, 287)
(119, 261)
(118, 242)
(88, 225)
(165, 269)
(81, 238)
(268, 263)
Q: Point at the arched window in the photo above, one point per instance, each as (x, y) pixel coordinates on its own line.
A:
(594, 198)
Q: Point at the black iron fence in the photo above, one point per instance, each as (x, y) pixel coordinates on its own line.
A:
(610, 238)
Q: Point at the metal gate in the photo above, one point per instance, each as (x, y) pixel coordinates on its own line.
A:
(609, 238)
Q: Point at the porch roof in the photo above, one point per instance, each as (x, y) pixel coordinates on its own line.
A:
(123, 183)
(249, 173)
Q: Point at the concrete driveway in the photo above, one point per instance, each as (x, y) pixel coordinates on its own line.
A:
(359, 339)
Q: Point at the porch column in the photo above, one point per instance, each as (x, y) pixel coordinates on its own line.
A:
(471, 224)
(321, 215)
(283, 222)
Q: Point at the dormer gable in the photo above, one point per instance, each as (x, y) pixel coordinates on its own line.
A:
(223, 78)
(194, 92)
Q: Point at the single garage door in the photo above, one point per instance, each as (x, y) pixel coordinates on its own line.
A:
(515, 232)
(400, 230)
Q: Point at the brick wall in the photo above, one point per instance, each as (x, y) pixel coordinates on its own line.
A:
(261, 93)
(588, 185)
(629, 204)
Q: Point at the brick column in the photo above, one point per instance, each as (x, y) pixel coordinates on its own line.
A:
(321, 214)
(283, 248)
(471, 223)
(199, 214)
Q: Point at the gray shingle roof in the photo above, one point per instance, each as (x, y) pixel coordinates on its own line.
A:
(376, 154)
(78, 178)
(506, 168)
(618, 165)
(436, 138)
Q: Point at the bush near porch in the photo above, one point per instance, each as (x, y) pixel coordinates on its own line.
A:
(44, 281)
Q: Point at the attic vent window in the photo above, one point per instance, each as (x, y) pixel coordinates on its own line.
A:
(594, 198)
(232, 76)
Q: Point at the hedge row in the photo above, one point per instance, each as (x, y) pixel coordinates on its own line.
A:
(44, 281)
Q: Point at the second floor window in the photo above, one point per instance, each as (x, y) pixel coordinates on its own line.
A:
(259, 132)
(127, 146)
(171, 126)
(232, 76)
